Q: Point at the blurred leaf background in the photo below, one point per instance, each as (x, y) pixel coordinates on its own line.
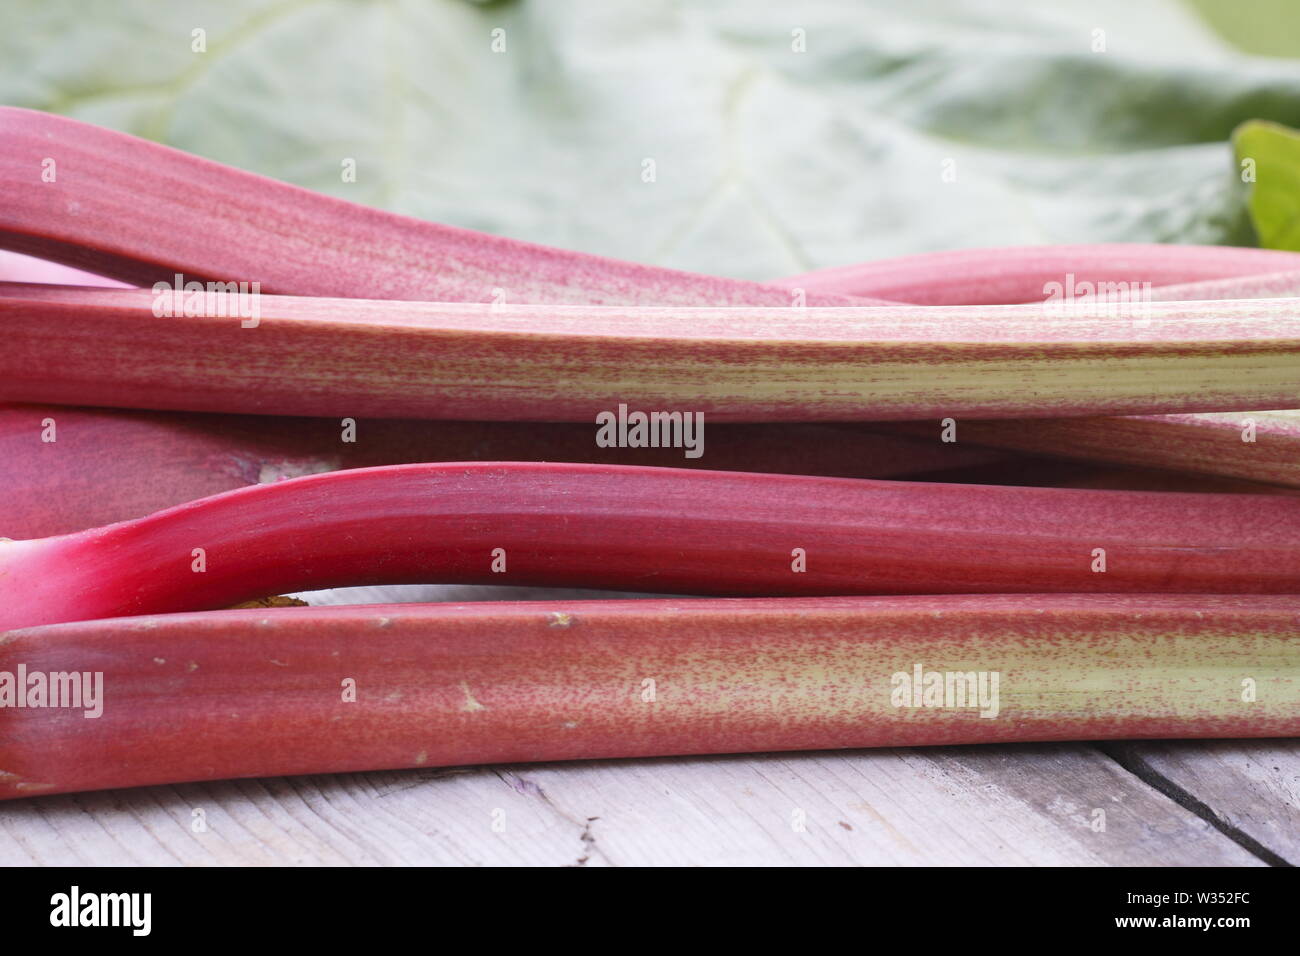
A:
(1068, 121)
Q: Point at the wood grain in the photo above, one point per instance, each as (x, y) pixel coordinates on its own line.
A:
(970, 806)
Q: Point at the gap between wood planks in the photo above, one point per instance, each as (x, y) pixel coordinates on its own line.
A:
(1126, 755)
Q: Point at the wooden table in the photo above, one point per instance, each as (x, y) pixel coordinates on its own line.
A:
(1234, 803)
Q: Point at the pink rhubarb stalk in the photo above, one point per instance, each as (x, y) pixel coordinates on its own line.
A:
(313, 356)
(1024, 273)
(141, 212)
(329, 690)
(1273, 285)
(650, 529)
(67, 469)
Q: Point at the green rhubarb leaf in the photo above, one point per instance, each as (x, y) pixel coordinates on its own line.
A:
(731, 137)
(1269, 156)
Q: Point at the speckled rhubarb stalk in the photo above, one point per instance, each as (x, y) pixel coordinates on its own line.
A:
(657, 530)
(109, 465)
(264, 692)
(313, 356)
(140, 212)
(1022, 273)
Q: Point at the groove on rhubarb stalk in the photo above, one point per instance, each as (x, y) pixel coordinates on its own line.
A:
(732, 676)
(652, 530)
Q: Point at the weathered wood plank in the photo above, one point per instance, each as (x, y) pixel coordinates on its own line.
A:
(947, 806)
(1253, 786)
(950, 806)
(384, 818)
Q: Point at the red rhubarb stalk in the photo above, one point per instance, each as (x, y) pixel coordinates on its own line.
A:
(650, 529)
(141, 212)
(312, 356)
(329, 690)
(67, 469)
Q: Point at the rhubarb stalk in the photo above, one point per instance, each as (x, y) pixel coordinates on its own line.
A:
(658, 530)
(1273, 285)
(144, 212)
(330, 690)
(1025, 273)
(312, 356)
